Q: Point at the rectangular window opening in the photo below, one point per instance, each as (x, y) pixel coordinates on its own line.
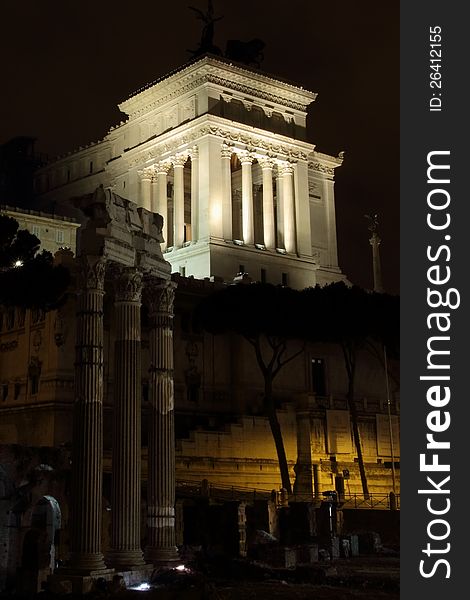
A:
(318, 377)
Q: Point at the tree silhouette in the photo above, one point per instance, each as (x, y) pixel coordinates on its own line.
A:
(28, 279)
(353, 318)
(268, 318)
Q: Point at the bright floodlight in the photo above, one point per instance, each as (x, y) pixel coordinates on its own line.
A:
(143, 587)
(180, 568)
(18, 263)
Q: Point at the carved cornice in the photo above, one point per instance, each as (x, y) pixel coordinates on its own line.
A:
(127, 284)
(228, 136)
(230, 77)
(316, 166)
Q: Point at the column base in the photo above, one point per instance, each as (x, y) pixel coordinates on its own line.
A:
(87, 563)
(160, 557)
(125, 560)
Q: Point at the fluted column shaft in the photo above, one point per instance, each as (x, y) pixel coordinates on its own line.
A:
(162, 199)
(194, 193)
(146, 183)
(154, 187)
(125, 552)
(227, 192)
(268, 205)
(280, 210)
(161, 446)
(374, 241)
(87, 448)
(178, 236)
(289, 208)
(247, 199)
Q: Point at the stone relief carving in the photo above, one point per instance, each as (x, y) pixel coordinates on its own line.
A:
(60, 329)
(321, 168)
(188, 109)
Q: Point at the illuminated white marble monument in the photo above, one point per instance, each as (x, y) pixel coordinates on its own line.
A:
(218, 150)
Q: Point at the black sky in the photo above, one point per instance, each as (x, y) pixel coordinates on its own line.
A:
(66, 65)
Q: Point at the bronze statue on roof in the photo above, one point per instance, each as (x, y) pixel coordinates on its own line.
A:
(247, 53)
(206, 45)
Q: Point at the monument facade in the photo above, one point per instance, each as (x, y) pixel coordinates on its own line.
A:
(220, 151)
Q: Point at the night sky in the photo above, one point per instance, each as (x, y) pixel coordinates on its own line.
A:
(66, 65)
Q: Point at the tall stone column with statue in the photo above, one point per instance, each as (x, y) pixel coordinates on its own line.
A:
(161, 548)
(87, 453)
(125, 552)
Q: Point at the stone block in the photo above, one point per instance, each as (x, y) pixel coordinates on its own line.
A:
(369, 542)
(281, 557)
(353, 544)
(334, 548)
(307, 554)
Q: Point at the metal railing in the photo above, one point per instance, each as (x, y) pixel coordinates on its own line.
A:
(223, 492)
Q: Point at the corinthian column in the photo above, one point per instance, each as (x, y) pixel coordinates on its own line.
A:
(227, 192)
(161, 546)
(268, 203)
(154, 194)
(280, 210)
(287, 172)
(194, 155)
(178, 166)
(87, 448)
(125, 552)
(247, 198)
(162, 170)
(146, 190)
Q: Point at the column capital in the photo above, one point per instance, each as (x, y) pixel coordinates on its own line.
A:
(226, 151)
(127, 284)
(147, 172)
(266, 162)
(163, 167)
(159, 296)
(91, 272)
(179, 160)
(285, 169)
(245, 157)
(374, 240)
(193, 152)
